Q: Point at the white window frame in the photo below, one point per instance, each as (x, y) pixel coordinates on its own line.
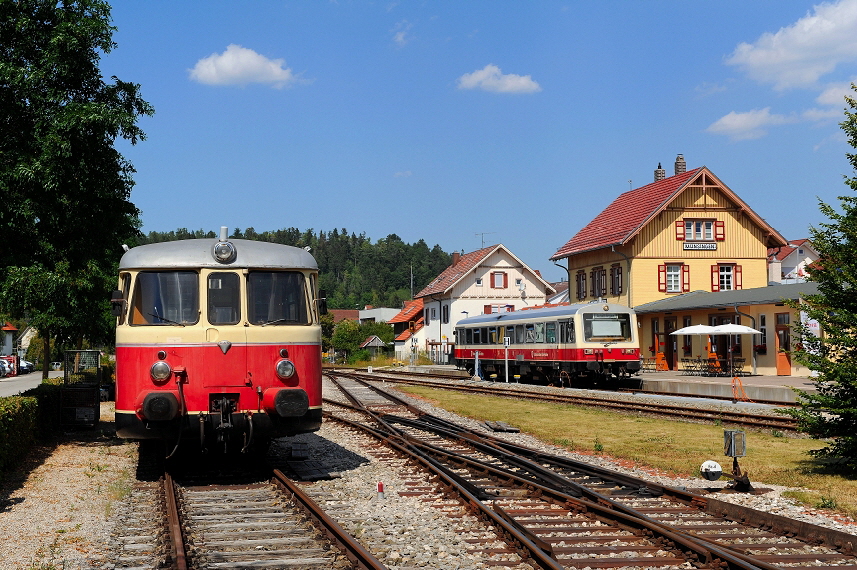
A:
(726, 277)
(699, 230)
(674, 278)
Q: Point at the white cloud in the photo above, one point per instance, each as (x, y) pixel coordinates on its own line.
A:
(400, 33)
(798, 55)
(491, 78)
(240, 66)
(403, 174)
(750, 125)
(834, 94)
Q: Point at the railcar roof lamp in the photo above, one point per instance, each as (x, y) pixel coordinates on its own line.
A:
(224, 250)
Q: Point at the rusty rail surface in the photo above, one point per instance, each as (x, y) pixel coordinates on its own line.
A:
(179, 556)
(352, 549)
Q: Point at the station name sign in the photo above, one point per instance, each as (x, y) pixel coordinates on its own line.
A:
(703, 246)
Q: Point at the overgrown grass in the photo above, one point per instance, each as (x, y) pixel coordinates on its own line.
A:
(678, 448)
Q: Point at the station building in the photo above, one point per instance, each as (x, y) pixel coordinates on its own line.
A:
(683, 250)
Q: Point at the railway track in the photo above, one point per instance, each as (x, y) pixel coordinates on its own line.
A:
(557, 513)
(263, 525)
(732, 417)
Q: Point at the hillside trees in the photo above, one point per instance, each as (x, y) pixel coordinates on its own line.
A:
(354, 272)
(65, 189)
(831, 413)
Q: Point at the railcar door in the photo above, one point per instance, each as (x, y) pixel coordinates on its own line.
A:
(784, 344)
(225, 335)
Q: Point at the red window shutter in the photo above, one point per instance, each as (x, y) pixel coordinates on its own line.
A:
(685, 278)
(487, 309)
(505, 280)
(719, 230)
(492, 279)
(662, 278)
(679, 230)
(737, 271)
(715, 278)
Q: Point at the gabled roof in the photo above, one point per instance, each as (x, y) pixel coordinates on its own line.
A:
(452, 274)
(8, 327)
(780, 253)
(373, 341)
(630, 212)
(467, 263)
(410, 312)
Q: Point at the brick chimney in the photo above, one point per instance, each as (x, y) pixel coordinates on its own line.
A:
(660, 173)
(456, 257)
(680, 165)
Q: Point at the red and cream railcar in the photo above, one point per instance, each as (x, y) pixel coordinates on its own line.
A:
(557, 344)
(217, 340)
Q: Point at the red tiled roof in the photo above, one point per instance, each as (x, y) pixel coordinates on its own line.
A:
(626, 215)
(780, 253)
(344, 314)
(9, 327)
(411, 310)
(406, 334)
(453, 273)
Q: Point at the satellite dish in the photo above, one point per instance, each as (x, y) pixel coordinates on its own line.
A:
(711, 470)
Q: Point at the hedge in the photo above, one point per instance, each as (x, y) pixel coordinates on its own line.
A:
(34, 414)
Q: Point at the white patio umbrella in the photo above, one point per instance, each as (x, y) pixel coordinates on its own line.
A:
(732, 328)
(695, 329)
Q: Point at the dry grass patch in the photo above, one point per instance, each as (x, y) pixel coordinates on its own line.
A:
(678, 448)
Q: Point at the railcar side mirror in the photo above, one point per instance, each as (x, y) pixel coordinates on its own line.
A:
(117, 303)
(322, 302)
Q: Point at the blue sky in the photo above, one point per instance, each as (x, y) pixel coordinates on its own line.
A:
(458, 122)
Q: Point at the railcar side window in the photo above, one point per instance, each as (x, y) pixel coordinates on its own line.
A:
(468, 336)
(540, 332)
(277, 298)
(550, 333)
(519, 334)
(612, 326)
(566, 332)
(165, 298)
(224, 298)
(530, 333)
(484, 335)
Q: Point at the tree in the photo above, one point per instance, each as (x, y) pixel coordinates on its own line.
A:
(831, 413)
(65, 189)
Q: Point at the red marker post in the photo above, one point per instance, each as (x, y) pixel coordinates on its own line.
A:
(380, 489)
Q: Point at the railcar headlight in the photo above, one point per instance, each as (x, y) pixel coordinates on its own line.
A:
(224, 251)
(285, 369)
(160, 370)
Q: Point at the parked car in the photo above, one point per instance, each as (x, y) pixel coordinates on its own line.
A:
(25, 367)
(4, 369)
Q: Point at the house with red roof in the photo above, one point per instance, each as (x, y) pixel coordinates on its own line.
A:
(678, 234)
(488, 280)
(686, 235)
(406, 329)
(789, 264)
(8, 339)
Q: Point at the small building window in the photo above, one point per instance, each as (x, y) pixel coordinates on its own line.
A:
(499, 280)
(479, 282)
(725, 277)
(673, 278)
(616, 279)
(580, 284)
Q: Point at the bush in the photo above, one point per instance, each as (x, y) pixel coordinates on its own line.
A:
(18, 416)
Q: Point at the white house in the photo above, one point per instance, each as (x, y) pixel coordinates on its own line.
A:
(488, 280)
(789, 264)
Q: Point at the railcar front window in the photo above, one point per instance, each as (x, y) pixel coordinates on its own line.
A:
(224, 298)
(165, 298)
(609, 327)
(277, 298)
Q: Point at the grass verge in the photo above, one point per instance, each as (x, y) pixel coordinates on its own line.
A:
(676, 448)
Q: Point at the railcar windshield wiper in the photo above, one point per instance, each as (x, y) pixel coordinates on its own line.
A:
(165, 319)
(275, 321)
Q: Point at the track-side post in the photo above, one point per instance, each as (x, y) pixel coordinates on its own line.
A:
(506, 341)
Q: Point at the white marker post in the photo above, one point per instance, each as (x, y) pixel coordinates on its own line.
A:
(506, 341)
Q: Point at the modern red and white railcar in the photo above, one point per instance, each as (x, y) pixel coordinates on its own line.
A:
(218, 341)
(558, 345)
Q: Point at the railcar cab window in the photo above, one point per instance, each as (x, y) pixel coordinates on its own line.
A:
(566, 332)
(277, 298)
(550, 333)
(168, 298)
(224, 298)
(599, 327)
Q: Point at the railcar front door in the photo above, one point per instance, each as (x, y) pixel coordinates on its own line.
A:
(225, 335)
